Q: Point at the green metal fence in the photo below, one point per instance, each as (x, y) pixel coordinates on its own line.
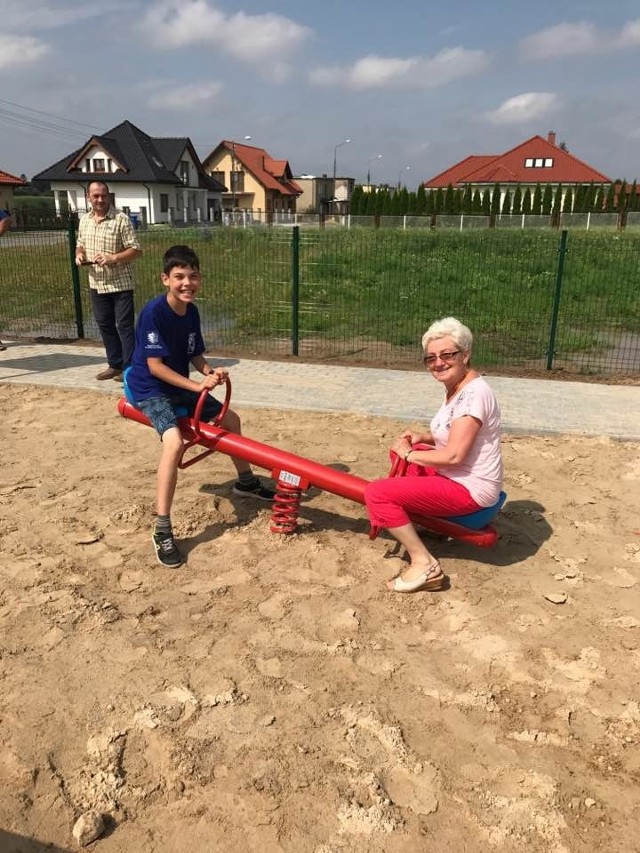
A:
(536, 299)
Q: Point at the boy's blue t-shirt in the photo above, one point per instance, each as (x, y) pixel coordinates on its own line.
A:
(161, 333)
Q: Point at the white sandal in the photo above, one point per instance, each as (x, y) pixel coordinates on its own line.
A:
(432, 580)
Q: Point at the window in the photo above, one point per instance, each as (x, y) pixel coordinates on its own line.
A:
(87, 165)
(98, 164)
(528, 163)
(184, 171)
(126, 209)
(218, 176)
(539, 162)
(237, 182)
(164, 202)
(548, 163)
(109, 165)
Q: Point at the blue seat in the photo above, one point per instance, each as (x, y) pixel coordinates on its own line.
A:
(481, 517)
(181, 412)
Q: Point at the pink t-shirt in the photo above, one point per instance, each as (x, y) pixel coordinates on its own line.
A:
(481, 471)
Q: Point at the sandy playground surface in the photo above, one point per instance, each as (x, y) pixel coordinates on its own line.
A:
(271, 695)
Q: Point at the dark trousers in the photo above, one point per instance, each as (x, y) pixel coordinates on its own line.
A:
(115, 315)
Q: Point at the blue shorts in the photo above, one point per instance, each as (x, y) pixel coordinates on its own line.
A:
(162, 411)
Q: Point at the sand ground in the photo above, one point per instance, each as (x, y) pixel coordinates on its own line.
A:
(271, 695)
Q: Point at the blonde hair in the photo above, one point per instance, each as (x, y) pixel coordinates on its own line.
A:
(449, 327)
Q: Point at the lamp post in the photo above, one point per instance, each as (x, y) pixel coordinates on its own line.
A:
(377, 157)
(335, 161)
(232, 174)
(400, 174)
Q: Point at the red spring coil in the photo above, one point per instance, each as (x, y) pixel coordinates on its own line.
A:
(284, 516)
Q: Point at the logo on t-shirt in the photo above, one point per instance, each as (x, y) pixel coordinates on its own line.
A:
(153, 337)
(191, 344)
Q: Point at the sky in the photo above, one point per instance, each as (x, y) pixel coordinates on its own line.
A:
(424, 83)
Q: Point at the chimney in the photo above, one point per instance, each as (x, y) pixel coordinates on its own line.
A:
(551, 138)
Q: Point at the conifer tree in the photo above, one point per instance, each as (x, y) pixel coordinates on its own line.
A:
(495, 199)
(623, 197)
(476, 206)
(633, 196)
(526, 201)
(516, 206)
(356, 200)
(421, 200)
(467, 200)
(598, 204)
(457, 201)
(536, 202)
(486, 202)
(438, 202)
(609, 201)
(578, 202)
(557, 200)
(568, 201)
(429, 203)
(547, 199)
(448, 206)
(506, 203)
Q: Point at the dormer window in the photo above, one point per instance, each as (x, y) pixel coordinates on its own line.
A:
(184, 171)
(98, 164)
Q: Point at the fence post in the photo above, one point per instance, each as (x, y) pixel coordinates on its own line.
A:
(556, 300)
(75, 275)
(295, 288)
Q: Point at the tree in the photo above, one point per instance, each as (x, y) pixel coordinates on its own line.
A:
(438, 202)
(609, 200)
(421, 200)
(623, 197)
(516, 207)
(578, 204)
(486, 202)
(429, 205)
(495, 199)
(467, 200)
(557, 200)
(356, 200)
(568, 201)
(598, 204)
(506, 203)
(476, 206)
(536, 203)
(526, 201)
(448, 206)
(547, 199)
(633, 197)
(563, 147)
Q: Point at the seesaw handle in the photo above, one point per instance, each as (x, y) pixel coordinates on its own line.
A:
(200, 405)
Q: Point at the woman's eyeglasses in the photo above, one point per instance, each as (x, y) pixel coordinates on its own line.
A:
(430, 360)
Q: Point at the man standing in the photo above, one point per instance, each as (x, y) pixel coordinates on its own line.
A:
(107, 241)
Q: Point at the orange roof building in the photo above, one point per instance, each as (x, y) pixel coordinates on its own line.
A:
(535, 161)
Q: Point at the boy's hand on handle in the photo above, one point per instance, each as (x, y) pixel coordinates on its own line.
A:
(216, 377)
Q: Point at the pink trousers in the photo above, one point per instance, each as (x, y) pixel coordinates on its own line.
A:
(422, 491)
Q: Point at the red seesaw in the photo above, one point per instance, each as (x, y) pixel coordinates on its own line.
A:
(293, 474)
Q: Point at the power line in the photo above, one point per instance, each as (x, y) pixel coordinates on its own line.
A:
(49, 115)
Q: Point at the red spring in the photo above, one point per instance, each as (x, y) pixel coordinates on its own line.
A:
(284, 516)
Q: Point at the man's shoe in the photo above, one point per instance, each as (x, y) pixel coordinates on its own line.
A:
(166, 552)
(108, 373)
(118, 377)
(253, 490)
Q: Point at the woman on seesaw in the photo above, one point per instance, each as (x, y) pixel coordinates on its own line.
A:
(454, 469)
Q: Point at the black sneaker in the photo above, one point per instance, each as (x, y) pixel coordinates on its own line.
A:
(253, 490)
(166, 552)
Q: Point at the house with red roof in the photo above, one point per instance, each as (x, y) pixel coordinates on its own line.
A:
(254, 179)
(535, 161)
(7, 184)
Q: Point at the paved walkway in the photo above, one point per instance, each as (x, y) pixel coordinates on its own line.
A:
(528, 405)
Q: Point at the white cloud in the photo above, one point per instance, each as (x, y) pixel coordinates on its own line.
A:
(581, 37)
(186, 98)
(21, 50)
(379, 72)
(249, 38)
(523, 108)
(630, 34)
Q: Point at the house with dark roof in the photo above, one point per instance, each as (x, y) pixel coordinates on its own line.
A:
(7, 183)
(153, 179)
(255, 180)
(535, 161)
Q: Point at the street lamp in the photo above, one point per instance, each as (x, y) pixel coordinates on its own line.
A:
(335, 160)
(377, 157)
(232, 173)
(400, 174)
